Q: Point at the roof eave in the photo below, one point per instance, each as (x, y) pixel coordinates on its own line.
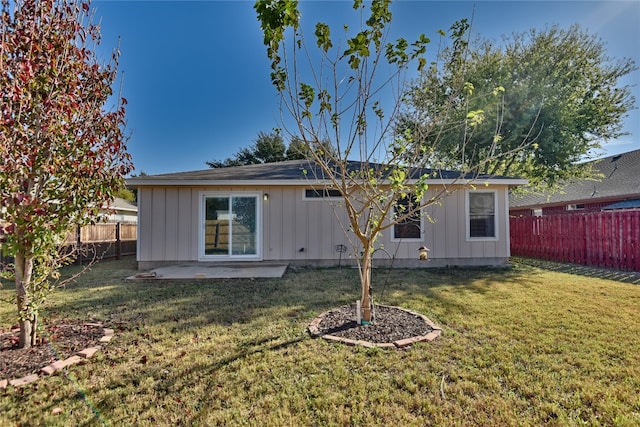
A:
(511, 182)
(606, 199)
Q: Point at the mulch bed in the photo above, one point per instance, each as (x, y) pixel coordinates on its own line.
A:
(63, 339)
(58, 341)
(390, 324)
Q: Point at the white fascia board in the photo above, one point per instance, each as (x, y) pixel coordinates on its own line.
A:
(289, 182)
(217, 183)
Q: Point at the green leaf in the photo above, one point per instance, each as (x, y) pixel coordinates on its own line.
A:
(323, 36)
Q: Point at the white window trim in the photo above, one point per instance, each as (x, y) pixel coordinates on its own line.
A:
(496, 214)
(395, 239)
(319, 199)
(201, 226)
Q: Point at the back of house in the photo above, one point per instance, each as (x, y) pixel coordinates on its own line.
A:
(278, 212)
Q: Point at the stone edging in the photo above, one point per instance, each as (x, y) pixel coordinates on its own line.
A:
(61, 364)
(435, 333)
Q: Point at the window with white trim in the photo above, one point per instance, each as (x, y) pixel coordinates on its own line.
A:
(481, 215)
(230, 225)
(409, 228)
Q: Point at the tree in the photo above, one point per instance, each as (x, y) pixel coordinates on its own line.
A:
(267, 148)
(350, 99)
(297, 150)
(126, 194)
(63, 152)
(561, 93)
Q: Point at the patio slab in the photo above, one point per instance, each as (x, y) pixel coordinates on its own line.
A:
(214, 271)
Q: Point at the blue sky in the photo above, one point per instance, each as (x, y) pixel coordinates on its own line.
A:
(197, 79)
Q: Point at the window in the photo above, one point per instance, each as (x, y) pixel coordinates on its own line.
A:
(322, 193)
(411, 226)
(575, 207)
(230, 225)
(482, 214)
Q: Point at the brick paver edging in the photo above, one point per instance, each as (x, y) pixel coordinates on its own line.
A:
(61, 364)
(436, 331)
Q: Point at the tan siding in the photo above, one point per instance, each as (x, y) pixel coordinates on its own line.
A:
(158, 224)
(266, 224)
(301, 226)
(274, 236)
(317, 238)
(430, 228)
(502, 247)
(169, 227)
(338, 236)
(454, 236)
(171, 224)
(273, 225)
(187, 225)
(145, 236)
(438, 244)
(287, 224)
(507, 233)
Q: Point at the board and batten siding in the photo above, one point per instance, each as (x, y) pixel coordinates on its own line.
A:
(299, 230)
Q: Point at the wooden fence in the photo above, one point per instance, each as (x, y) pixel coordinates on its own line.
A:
(109, 240)
(601, 239)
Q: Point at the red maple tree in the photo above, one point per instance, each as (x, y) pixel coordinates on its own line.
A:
(63, 153)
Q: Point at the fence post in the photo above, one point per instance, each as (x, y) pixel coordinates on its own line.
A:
(118, 241)
(79, 245)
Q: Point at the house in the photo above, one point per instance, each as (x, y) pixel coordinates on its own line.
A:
(278, 212)
(121, 210)
(617, 187)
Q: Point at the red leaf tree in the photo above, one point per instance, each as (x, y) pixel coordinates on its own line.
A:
(63, 150)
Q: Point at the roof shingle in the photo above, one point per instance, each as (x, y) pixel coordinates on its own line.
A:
(290, 170)
(620, 179)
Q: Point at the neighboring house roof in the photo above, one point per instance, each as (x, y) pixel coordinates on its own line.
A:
(626, 204)
(123, 205)
(290, 172)
(620, 179)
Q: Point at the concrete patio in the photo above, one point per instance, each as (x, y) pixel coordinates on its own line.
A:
(213, 271)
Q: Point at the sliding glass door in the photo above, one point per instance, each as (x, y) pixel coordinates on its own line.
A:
(230, 226)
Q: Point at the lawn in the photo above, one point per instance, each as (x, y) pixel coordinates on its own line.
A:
(520, 346)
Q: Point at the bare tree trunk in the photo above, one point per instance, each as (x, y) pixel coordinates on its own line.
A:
(27, 322)
(365, 278)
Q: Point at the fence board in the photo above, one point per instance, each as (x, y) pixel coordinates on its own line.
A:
(601, 239)
(104, 240)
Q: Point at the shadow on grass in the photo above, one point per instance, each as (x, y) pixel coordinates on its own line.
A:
(396, 286)
(632, 277)
(103, 294)
(154, 358)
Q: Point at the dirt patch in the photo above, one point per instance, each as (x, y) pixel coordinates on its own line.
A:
(58, 341)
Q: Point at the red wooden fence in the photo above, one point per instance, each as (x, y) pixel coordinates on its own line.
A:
(602, 239)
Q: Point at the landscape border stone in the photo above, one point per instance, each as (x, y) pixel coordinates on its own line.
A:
(436, 331)
(61, 364)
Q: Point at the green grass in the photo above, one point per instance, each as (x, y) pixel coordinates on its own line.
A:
(521, 346)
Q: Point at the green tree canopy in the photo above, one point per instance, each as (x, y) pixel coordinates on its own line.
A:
(297, 149)
(270, 148)
(560, 96)
(267, 148)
